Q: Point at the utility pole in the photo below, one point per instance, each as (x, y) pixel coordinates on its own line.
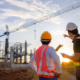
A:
(20, 52)
(0, 47)
(25, 57)
(6, 45)
(35, 34)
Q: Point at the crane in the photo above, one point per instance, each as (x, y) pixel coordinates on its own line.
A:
(67, 9)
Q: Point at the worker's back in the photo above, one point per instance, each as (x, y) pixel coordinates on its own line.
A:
(47, 61)
(49, 54)
(76, 48)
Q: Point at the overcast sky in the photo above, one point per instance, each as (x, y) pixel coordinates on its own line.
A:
(15, 13)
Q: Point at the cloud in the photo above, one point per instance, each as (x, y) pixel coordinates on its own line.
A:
(35, 5)
(28, 9)
(35, 9)
(20, 14)
(49, 2)
(78, 13)
(1, 2)
(56, 20)
(12, 25)
(74, 2)
(58, 32)
(22, 4)
(15, 13)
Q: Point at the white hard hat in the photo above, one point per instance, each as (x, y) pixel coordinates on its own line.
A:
(71, 26)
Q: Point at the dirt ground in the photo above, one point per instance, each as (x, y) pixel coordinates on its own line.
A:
(27, 74)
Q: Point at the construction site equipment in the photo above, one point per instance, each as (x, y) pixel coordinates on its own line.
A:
(6, 33)
(16, 53)
(19, 53)
(67, 9)
(74, 6)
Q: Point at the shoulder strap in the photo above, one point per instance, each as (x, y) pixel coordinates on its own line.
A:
(40, 64)
(77, 38)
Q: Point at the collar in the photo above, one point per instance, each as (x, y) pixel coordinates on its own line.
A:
(44, 45)
(75, 37)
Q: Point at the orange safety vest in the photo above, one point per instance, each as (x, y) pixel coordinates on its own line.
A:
(76, 63)
(41, 63)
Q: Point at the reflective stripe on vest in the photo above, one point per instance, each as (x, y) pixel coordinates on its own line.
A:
(76, 63)
(42, 69)
(78, 37)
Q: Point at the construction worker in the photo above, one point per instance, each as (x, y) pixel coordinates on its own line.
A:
(74, 35)
(45, 62)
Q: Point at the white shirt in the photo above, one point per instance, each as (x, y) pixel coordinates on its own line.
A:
(50, 56)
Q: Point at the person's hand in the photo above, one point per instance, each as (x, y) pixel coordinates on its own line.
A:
(64, 55)
(65, 35)
(57, 74)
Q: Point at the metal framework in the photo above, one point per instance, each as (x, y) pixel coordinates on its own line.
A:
(67, 9)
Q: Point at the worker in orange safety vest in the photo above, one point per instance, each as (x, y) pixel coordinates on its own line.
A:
(45, 62)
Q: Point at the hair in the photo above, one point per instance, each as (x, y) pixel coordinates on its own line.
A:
(45, 43)
(74, 32)
(77, 46)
